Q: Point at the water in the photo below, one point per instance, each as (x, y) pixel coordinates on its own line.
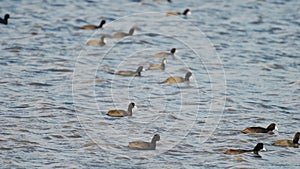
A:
(55, 90)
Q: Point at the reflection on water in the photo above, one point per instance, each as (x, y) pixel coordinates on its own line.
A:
(56, 90)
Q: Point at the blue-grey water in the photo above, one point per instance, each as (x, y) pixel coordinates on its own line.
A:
(56, 90)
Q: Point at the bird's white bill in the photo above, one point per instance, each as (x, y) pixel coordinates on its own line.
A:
(276, 128)
(264, 148)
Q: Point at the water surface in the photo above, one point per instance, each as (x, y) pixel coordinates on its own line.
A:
(55, 90)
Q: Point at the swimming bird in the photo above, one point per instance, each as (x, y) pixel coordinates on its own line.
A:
(289, 143)
(91, 27)
(141, 145)
(4, 21)
(185, 12)
(131, 73)
(158, 66)
(269, 129)
(123, 34)
(165, 54)
(178, 79)
(122, 113)
(100, 42)
(257, 148)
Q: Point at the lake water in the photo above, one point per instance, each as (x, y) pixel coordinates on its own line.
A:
(56, 90)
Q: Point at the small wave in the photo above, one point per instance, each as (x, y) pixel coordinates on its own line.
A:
(39, 84)
(59, 70)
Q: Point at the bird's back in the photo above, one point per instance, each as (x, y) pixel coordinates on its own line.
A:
(117, 113)
(162, 54)
(235, 151)
(126, 73)
(141, 145)
(285, 143)
(255, 130)
(174, 79)
(89, 27)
